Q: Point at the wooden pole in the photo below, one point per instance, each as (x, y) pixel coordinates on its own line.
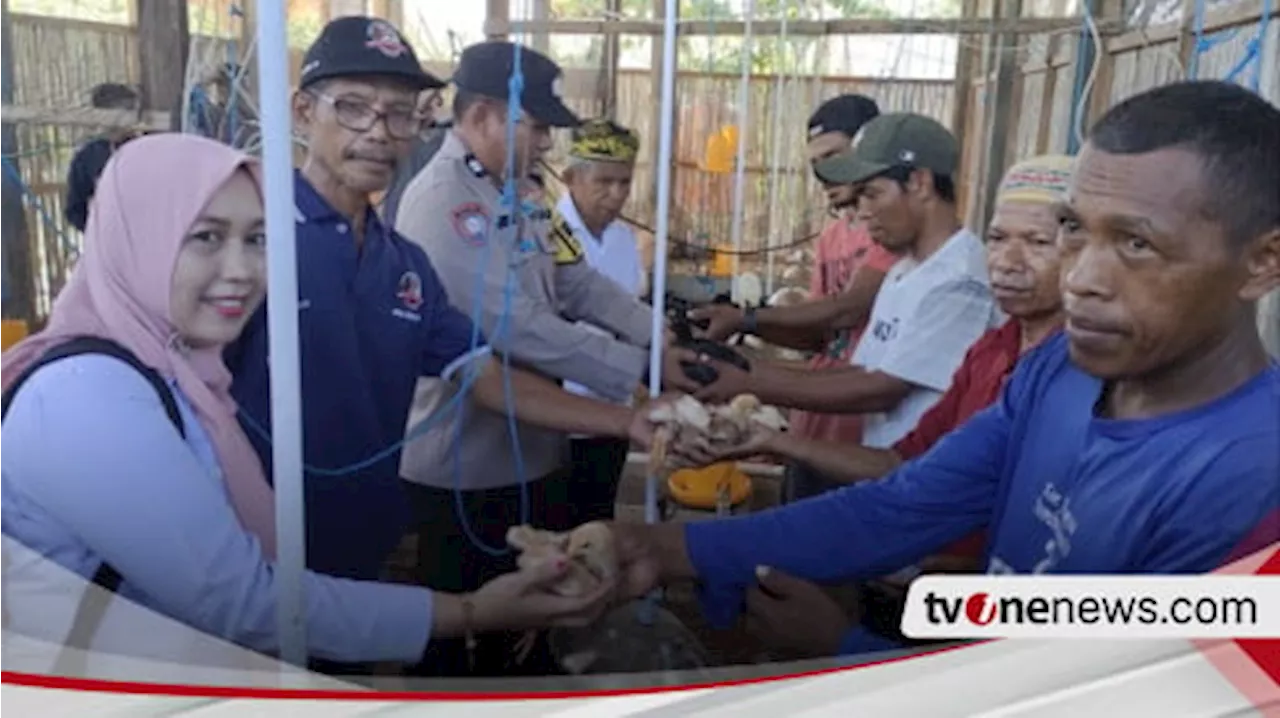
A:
(497, 19)
(1004, 56)
(19, 280)
(607, 88)
(163, 42)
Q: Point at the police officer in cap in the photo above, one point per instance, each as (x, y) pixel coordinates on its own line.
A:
(373, 316)
(454, 210)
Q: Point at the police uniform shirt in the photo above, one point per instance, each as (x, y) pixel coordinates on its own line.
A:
(614, 254)
(371, 321)
(453, 210)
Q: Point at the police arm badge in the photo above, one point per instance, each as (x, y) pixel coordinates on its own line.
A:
(471, 222)
(568, 250)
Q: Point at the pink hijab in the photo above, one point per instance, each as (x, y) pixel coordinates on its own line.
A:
(151, 192)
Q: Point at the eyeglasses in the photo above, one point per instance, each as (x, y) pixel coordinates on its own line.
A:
(359, 116)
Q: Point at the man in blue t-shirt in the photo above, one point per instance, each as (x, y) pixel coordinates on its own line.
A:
(1144, 439)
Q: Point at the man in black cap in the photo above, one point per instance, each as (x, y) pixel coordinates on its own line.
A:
(848, 270)
(89, 161)
(372, 313)
(531, 288)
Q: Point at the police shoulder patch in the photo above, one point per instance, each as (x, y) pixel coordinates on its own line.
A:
(568, 250)
(471, 222)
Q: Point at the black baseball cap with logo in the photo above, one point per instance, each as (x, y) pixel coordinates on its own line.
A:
(845, 114)
(485, 69)
(358, 46)
(889, 141)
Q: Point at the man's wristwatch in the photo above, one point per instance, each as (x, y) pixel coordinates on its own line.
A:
(750, 322)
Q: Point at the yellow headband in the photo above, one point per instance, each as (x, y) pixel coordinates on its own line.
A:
(1038, 179)
(604, 141)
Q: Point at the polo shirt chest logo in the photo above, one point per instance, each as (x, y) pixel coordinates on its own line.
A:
(409, 292)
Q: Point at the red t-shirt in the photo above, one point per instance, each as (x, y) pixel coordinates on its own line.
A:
(843, 247)
(975, 386)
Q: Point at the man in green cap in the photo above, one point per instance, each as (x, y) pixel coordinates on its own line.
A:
(934, 303)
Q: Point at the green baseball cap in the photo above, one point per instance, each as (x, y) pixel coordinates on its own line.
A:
(893, 140)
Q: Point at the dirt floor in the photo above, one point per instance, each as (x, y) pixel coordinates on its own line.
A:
(730, 647)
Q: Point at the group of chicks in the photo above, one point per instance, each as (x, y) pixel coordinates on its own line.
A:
(590, 548)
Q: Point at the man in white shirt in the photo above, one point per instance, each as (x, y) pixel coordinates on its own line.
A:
(933, 304)
(602, 160)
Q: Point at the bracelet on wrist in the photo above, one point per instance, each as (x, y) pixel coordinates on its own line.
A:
(750, 322)
(468, 628)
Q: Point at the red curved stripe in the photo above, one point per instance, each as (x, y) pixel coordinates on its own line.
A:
(36, 680)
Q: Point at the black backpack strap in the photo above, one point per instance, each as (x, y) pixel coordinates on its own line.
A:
(93, 606)
(71, 661)
(97, 345)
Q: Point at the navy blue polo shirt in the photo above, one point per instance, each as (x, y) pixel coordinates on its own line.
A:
(371, 322)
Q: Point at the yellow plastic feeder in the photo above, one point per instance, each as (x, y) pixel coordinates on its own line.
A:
(722, 261)
(721, 151)
(702, 489)
(12, 331)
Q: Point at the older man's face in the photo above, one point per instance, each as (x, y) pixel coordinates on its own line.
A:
(1023, 259)
(601, 189)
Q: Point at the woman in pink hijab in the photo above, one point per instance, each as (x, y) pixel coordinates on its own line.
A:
(123, 460)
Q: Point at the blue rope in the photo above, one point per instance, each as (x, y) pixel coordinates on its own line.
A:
(1253, 52)
(1250, 60)
(510, 208)
(471, 371)
(34, 201)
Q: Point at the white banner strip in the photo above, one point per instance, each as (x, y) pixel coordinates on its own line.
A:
(1150, 607)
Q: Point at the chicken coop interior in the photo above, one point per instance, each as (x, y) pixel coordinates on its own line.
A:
(1011, 78)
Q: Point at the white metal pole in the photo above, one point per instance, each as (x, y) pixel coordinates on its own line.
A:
(667, 103)
(665, 137)
(775, 161)
(740, 171)
(282, 324)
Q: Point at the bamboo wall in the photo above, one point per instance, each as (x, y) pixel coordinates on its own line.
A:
(1135, 61)
(57, 61)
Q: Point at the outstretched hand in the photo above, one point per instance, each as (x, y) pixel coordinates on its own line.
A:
(523, 599)
(730, 382)
(724, 320)
(639, 568)
(795, 615)
(696, 450)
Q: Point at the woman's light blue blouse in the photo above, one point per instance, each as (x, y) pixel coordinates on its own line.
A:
(93, 471)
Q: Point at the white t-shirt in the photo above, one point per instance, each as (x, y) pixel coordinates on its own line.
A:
(614, 255)
(925, 317)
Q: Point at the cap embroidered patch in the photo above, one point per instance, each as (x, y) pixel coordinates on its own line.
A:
(816, 130)
(384, 39)
(471, 222)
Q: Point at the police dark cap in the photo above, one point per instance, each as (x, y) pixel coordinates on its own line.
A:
(485, 69)
(358, 46)
(845, 114)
